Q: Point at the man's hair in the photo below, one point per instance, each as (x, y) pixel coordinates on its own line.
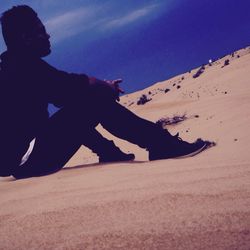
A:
(16, 21)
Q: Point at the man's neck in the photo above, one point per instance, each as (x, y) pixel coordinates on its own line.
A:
(22, 53)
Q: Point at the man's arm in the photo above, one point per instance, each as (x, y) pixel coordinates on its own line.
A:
(111, 87)
(66, 88)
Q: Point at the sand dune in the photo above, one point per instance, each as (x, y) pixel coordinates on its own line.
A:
(195, 203)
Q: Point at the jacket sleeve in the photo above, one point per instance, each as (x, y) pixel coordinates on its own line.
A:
(63, 88)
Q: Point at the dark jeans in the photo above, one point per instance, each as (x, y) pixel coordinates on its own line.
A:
(73, 126)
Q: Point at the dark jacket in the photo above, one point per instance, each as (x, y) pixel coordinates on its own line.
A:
(27, 85)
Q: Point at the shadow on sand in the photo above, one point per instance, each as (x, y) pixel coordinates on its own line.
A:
(97, 164)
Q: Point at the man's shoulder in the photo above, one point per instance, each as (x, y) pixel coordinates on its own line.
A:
(45, 65)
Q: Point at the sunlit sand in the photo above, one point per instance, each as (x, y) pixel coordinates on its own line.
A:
(201, 202)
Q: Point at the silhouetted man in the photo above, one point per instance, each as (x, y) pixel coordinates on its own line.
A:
(28, 84)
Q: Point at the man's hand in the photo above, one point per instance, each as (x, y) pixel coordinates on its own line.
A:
(114, 84)
(108, 87)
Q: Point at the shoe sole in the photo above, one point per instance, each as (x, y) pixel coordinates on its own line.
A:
(192, 154)
(207, 144)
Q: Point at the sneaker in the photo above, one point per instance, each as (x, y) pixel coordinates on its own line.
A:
(111, 153)
(116, 157)
(177, 148)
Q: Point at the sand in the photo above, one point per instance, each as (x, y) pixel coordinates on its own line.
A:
(201, 202)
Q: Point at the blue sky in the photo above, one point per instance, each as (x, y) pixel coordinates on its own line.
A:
(141, 41)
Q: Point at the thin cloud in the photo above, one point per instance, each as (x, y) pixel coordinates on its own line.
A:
(70, 23)
(130, 18)
(95, 17)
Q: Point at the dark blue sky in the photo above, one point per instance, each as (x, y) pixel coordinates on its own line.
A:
(140, 41)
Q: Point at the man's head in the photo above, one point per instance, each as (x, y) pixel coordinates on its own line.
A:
(24, 32)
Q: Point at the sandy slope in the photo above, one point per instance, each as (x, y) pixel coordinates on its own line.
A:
(196, 203)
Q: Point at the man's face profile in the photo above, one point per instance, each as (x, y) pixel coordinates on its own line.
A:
(36, 40)
(24, 32)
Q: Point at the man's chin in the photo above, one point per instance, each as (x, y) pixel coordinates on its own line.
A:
(45, 53)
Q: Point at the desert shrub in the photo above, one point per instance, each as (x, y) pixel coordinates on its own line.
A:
(227, 62)
(171, 120)
(199, 72)
(166, 90)
(143, 99)
(178, 87)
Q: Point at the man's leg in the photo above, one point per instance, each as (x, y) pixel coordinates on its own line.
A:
(124, 124)
(67, 130)
(54, 146)
(106, 150)
(159, 142)
(62, 136)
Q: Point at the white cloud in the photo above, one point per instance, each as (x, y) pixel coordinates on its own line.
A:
(70, 23)
(130, 17)
(95, 17)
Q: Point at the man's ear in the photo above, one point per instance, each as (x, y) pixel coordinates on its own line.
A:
(26, 39)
